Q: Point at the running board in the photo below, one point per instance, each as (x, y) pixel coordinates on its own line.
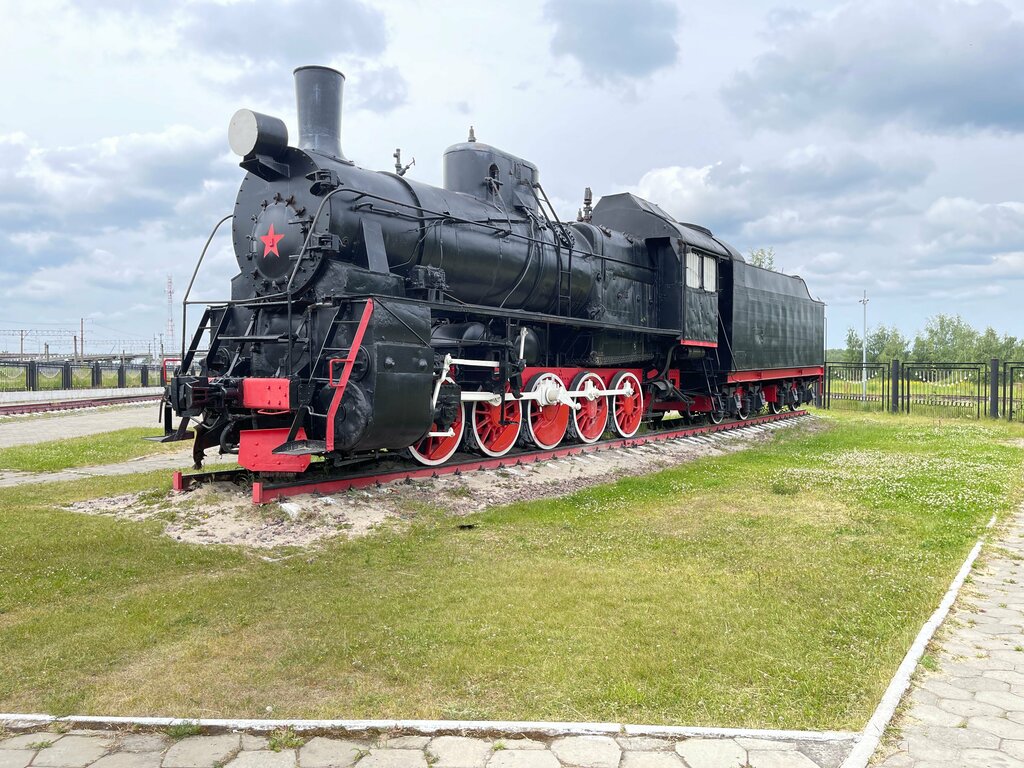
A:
(171, 438)
(300, 448)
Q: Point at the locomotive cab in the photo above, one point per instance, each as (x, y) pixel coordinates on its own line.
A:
(686, 258)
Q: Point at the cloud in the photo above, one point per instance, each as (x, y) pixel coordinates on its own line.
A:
(284, 31)
(113, 182)
(253, 40)
(808, 192)
(945, 66)
(613, 40)
(378, 90)
(960, 230)
(95, 227)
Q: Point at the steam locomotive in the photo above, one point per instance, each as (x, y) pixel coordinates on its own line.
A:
(373, 314)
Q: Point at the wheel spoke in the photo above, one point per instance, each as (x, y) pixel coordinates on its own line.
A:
(490, 435)
(629, 408)
(435, 450)
(547, 422)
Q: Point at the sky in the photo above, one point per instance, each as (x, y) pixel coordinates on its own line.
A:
(874, 145)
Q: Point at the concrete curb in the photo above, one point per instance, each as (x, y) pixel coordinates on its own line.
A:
(883, 714)
(496, 727)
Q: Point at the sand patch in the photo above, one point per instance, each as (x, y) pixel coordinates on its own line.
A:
(223, 513)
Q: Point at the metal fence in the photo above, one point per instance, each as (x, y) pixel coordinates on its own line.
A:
(943, 389)
(1013, 391)
(853, 386)
(46, 376)
(969, 390)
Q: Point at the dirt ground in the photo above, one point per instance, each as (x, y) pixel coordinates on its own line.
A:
(222, 513)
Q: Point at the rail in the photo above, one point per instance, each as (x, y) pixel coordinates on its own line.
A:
(325, 480)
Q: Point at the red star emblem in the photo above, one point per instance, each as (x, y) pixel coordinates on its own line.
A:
(270, 241)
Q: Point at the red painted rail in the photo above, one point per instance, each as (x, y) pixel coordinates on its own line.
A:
(264, 492)
(67, 405)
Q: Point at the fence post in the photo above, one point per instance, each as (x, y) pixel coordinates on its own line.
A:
(97, 375)
(65, 375)
(122, 376)
(894, 386)
(993, 388)
(145, 375)
(32, 376)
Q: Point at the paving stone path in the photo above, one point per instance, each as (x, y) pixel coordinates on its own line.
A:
(173, 460)
(25, 430)
(970, 711)
(110, 749)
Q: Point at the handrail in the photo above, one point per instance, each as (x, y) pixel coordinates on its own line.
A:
(188, 291)
(295, 269)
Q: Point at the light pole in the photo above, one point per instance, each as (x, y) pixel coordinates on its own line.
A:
(864, 349)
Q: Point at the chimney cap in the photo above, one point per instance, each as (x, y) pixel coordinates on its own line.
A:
(319, 66)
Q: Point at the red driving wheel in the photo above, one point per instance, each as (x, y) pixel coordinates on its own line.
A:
(433, 451)
(627, 410)
(495, 428)
(591, 420)
(546, 422)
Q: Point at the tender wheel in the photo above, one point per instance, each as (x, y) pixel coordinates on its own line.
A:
(775, 407)
(546, 419)
(716, 415)
(627, 410)
(794, 400)
(433, 451)
(488, 434)
(743, 410)
(591, 420)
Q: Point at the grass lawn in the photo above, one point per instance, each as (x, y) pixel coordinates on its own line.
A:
(776, 587)
(89, 450)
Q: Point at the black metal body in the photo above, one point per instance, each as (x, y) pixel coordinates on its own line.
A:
(470, 268)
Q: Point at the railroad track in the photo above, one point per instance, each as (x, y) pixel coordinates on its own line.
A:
(14, 409)
(391, 470)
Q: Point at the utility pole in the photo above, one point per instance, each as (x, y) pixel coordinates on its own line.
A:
(864, 348)
(170, 312)
(81, 337)
(21, 353)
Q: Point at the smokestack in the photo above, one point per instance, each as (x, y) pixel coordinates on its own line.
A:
(318, 95)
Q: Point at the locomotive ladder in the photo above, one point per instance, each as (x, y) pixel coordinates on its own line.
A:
(333, 356)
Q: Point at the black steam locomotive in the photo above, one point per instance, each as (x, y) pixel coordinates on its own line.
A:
(373, 313)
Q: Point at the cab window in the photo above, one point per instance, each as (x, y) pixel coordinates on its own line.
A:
(692, 270)
(710, 274)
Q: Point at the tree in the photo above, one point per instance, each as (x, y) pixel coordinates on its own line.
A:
(885, 344)
(946, 339)
(854, 350)
(990, 345)
(763, 257)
